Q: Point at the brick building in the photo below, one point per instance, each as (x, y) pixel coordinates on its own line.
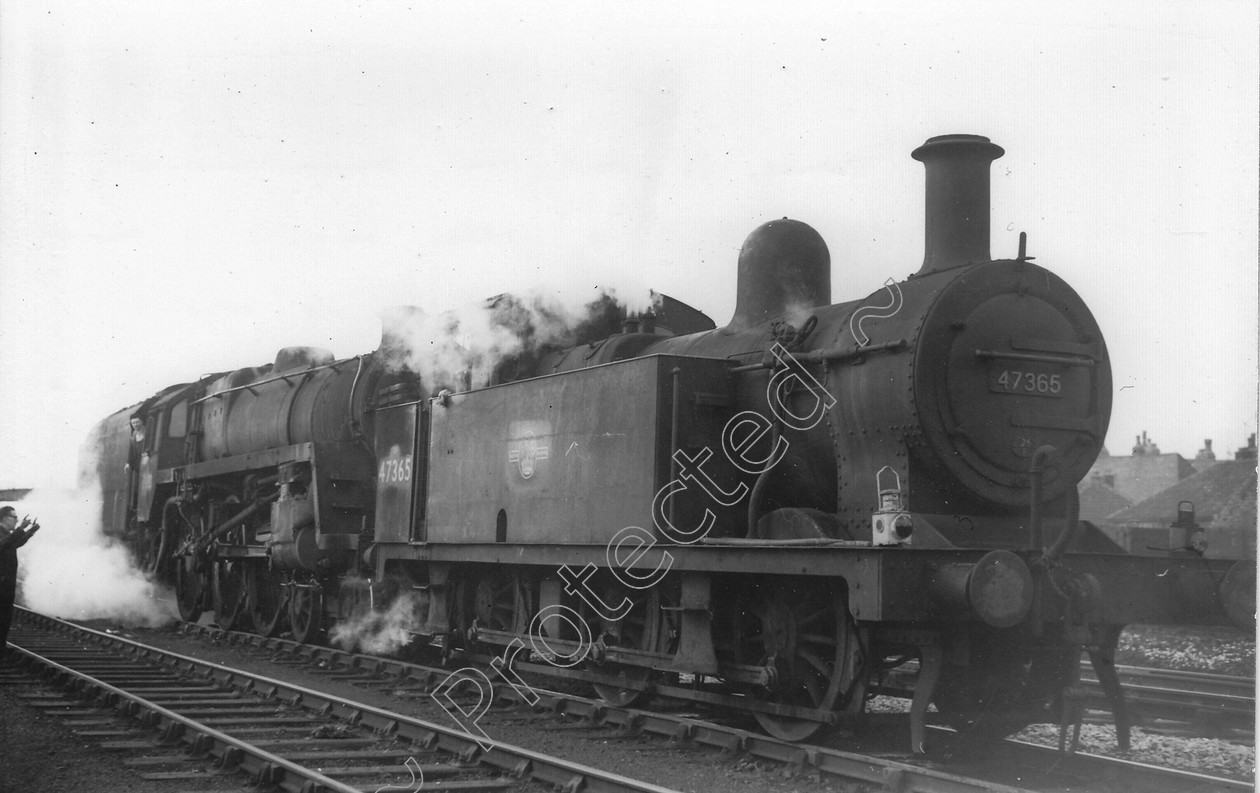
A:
(1141, 475)
(1224, 498)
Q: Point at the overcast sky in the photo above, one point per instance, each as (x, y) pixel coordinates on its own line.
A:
(188, 187)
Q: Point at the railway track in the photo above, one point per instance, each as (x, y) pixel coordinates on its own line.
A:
(1193, 703)
(186, 719)
(1208, 704)
(878, 767)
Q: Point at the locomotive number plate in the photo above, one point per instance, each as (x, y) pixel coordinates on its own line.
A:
(1027, 380)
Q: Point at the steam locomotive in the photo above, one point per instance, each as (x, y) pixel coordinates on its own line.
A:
(789, 506)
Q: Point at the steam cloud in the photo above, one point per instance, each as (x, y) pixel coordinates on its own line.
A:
(458, 349)
(70, 569)
(380, 632)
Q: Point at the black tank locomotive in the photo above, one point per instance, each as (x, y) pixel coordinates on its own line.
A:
(789, 506)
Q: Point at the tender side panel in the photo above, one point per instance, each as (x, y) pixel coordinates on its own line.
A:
(570, 458)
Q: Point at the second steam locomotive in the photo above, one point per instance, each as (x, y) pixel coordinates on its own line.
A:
(788, 507)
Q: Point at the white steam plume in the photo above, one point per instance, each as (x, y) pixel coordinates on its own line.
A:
(459, 348)
(380, 633)
(70, 569)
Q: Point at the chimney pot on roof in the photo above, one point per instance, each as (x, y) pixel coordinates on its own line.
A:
(1249, 452)
(1206, 454)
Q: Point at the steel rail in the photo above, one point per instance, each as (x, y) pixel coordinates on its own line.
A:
(228, 750)
(1130, 774)
(1210, 700)
(517, 761)
(1192, 683)
(1202, 682)
(1164, 691)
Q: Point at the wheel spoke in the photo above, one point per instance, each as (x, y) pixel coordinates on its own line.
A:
(503, 593)
(813, 616)
(817, 651)
(818, 639)
(305, 613)
(230, 596)
(633, 631)
(814, 689)
(813, 660)
(266, 601)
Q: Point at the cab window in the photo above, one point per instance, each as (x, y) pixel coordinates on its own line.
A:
(177, 426)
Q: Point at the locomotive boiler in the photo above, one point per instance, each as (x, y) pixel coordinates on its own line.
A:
(788, 507)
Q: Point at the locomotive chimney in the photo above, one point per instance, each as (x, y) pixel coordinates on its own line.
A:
(784, 264)
(957, 211)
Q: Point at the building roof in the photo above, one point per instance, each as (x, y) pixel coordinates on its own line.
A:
(1098, 500)
(1224, 492)
(1141, 476)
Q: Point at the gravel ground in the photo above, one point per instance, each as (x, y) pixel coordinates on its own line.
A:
(1201, 755)
(37, 753)
(1224, 652)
